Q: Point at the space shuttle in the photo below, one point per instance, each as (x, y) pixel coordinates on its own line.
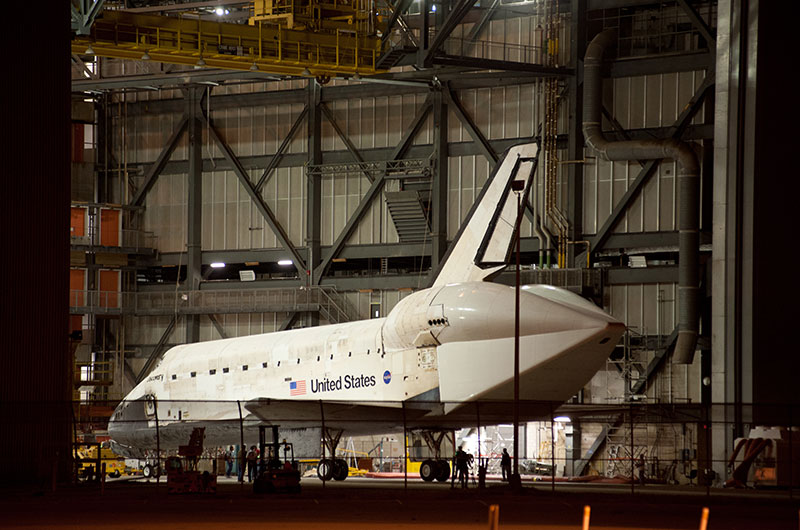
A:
(443, 356)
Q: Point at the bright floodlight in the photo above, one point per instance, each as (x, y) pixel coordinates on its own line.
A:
(562, 419)
(219, 11)
(217, 265)
(285, 262)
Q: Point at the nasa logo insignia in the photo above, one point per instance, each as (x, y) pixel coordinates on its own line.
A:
(387, 377)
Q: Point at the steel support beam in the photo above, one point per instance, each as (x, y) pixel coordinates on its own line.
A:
(289, 321)
(575, 142)
(440, 178)
(276, 158)
(697, 21)
(465, 148)
(255, 196)
(397, 10)
(498, 64)
(157, 166)
(463, 75)
(215, 321)
(84, 15)
(477, 28)
(460, 9)
(702, 60)
(194, 204)
(156, 353)
(85, 69)
(314, 187)
(374, 189)
(480, 140)
(343, 137)
(649, 168)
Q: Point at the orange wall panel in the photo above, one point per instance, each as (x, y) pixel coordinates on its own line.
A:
(77, 287)
(77, 222)
(109, 227)
(109, 288)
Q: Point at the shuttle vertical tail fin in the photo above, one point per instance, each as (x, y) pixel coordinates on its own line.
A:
(483, 244)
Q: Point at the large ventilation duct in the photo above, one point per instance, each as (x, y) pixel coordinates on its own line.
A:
(688, 190)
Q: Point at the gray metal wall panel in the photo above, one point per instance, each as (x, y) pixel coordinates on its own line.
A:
(638, 102)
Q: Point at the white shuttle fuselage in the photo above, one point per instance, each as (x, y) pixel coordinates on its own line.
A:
(439, 348)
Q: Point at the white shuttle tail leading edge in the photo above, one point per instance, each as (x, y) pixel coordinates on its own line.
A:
(483, 244)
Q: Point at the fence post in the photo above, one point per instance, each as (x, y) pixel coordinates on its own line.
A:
(242, 451)
(552, 450)
(405, 449)
(158, 443)
(322, 420)
(633, 478)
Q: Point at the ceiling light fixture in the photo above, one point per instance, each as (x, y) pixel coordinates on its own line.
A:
(89, 50)
(145, 56)
(200, 63)
(306, 72)
(219, 11)
(285, 262)
(217, 265)
(562, 419)
(254, 67)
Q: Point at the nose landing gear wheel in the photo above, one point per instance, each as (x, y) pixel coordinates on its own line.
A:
(325, 469)
(429, 470)
(444, 471)
(340, 469)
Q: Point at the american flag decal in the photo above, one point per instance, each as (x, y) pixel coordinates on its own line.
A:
(297, 388)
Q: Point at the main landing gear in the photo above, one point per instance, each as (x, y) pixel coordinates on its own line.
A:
(434, 468)
(332, 468)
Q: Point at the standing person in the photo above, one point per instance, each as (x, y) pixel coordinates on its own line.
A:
(242, 461)
(462, 460)
(229, 461)
(454, 476)
(251, 463)
(640, 465)
(505, 464)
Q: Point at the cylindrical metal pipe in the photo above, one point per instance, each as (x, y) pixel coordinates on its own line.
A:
(688, 190)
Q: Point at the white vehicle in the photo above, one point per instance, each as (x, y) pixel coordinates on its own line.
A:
(438, 352)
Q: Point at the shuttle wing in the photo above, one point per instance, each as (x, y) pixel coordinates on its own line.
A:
(489, 226)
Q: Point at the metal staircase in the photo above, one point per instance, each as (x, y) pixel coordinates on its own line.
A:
(409, 216)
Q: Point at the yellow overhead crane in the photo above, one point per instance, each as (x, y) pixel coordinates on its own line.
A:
(308, 38)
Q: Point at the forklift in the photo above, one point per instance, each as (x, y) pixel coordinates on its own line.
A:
(276, 475)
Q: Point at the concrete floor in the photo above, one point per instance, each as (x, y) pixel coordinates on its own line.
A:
(375, 503)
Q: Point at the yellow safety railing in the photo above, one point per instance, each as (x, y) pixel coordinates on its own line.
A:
(266, 47)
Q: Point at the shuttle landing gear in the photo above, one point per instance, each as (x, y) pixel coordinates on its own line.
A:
(434, 468)
(431, 470)
(332, 468)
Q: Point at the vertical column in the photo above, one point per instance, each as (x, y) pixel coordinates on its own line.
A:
(313, 187)
(194, 205)
(575, 139)
(424, 41)
(726, 340)
(439, 191)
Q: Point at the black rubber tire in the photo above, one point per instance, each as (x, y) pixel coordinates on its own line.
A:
(340, 469)
(148, 471)
(116, 474)
(444, 471)
(325, 469)
(429, 470)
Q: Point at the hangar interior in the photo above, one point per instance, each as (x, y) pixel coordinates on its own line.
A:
(216, 193)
